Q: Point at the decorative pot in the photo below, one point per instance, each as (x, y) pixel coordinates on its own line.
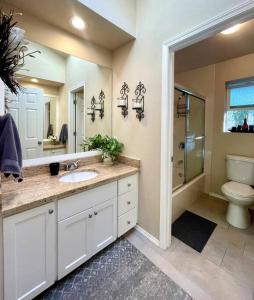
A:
(108, 161)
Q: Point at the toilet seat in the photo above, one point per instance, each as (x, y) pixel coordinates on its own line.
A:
(239, 191)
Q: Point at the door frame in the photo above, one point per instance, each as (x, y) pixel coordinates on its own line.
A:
(238, 14)
(72, 90)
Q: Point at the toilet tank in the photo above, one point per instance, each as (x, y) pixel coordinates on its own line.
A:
(240, 169)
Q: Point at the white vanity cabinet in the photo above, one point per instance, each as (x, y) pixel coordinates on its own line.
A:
(127, 203)
(87, 223)
(46, 243)
(29, 252)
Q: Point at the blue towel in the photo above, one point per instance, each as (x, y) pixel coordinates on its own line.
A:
(10, 148)
(63, 137)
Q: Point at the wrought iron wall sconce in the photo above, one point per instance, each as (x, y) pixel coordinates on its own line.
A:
(91, 109)
(139, 101)
(100, 105)
(123, 100)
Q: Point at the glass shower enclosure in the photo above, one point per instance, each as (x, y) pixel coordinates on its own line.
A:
(189, 136)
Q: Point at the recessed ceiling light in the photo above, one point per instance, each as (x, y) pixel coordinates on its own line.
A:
(78, 23)
(232, 29)
(34, 80)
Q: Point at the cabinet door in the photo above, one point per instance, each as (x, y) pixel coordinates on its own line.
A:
(29, 252)
(74, 244)
(105, 224)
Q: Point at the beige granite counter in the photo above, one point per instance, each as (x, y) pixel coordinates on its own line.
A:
(37, 190)
(47, 147)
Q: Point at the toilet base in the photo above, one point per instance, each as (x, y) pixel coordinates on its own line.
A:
(238, 216)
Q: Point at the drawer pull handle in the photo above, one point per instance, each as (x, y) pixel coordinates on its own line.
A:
(128, 222)
(128, 202)
(90, 216)
(95, 213)
(51, 211)
(129, 184)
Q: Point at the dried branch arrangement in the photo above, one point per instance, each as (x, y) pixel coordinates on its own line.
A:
(13, 48)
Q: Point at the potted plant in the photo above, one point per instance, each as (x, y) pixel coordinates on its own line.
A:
(109, 147)
(93, 143)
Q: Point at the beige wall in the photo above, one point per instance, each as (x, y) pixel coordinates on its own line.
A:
(122, 13)
(47, 89)
(210, 82)
(58, 39)
(96, 78)
(48, 64)
(202, 81)
(141, 61)
(228, 143)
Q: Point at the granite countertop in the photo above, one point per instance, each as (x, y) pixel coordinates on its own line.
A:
(53, 146)
(40, 189)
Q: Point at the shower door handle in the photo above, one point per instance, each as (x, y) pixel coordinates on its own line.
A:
(199, 137)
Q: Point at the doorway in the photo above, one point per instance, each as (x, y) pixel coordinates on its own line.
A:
(77, 118)
(238, 14)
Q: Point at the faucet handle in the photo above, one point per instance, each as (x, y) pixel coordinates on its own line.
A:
(77, 163)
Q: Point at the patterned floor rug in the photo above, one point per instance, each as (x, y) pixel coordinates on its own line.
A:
(118, 272)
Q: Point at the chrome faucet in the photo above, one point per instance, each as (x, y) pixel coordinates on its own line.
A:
(71, 166)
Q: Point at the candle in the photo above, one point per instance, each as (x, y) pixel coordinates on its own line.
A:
(137, 105)
(121, 103)
(90, 111)
(98, 106)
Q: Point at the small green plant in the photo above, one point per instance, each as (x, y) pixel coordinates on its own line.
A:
(110, 147)
(93, 143)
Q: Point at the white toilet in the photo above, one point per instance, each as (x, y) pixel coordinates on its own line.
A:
(238, 191)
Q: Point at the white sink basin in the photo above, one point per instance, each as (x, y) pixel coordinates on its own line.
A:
(78, 176)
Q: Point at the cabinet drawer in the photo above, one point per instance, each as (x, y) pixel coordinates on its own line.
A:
(79, 202)
(127, 202)
(127, 184)
(127, 221)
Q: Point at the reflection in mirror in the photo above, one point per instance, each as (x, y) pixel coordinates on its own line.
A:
(53, 110)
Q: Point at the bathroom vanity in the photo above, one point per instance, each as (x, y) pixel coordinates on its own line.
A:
(51, 227)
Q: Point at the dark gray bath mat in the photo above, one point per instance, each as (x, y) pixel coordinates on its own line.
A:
(118, 272)
(193, 230)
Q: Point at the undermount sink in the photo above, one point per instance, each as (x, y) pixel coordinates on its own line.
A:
(78, 176)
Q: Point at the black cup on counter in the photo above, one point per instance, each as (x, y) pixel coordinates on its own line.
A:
(54, 168)
(239, 128)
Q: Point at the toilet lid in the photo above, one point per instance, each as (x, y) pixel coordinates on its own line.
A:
(238, 189)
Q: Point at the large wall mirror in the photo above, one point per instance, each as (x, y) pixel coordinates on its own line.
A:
(64, 99)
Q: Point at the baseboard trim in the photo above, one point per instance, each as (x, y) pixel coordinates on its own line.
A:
(217, 196)
(149, 236)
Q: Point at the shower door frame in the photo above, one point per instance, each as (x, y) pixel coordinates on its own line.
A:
(238, 14)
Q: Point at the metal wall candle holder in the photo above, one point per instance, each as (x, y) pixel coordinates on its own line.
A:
(91, 109)
(139, 101)
(100, 105)
(123, 100)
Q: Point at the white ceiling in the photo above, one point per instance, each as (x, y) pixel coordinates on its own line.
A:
(58, 13)
(216, 49)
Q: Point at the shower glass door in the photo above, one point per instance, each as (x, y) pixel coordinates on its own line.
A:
(194, 137)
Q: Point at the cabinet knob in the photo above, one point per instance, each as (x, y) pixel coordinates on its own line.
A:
(90, 216)
(128, 202)
(129, 184)
(51, 211)
(128, 222)
(95, 213)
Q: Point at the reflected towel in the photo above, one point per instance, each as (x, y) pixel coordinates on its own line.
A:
(63, 137)
(50, 131)
(10, 148)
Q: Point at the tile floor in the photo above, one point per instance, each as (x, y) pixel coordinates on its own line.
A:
(224, 269)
